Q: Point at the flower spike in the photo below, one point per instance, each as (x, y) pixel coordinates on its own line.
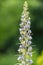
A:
(25, 48)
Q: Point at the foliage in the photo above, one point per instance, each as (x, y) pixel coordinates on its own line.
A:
(40, 59)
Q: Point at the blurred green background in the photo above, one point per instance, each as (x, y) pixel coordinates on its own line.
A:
(10, 14)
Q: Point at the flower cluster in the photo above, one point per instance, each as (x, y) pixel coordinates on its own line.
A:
(25, 48)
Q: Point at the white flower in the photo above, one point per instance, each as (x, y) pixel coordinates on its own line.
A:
(23, 16)
(29, 18)
(28, 22)
(23, 62)
(20, 64)
(30, 37)
(30, 61)
(29, 31)
(20, 57)
(29, 42)
(30, 48)
(21, 24)
(20, 38)
(27, 60)
(27, 26)
(23, 19)
(22, 46)
(19, 50)
(20, 29)
(29, 53)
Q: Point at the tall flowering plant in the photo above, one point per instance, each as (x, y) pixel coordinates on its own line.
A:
(25, 48)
